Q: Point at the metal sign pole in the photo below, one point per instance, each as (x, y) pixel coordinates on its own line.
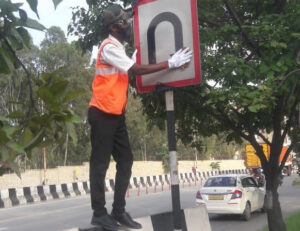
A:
(173, 160)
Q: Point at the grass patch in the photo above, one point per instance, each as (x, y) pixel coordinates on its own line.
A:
(296, 182)
(292, 222)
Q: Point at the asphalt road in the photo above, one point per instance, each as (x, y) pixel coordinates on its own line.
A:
(76, 212)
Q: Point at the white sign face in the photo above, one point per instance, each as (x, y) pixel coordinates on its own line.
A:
(161, 28)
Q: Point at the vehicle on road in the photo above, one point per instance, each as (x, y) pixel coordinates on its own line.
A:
(252, 161)
(258, 174)
(232, 194)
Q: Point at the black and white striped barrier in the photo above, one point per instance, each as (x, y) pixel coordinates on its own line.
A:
(192, 219)
(26, 195)
(19, 196)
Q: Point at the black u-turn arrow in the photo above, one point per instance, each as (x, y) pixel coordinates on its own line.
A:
(178, 36)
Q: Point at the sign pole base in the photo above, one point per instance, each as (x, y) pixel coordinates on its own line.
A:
(173, 160)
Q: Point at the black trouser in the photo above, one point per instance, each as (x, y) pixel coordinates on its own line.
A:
(108, 136)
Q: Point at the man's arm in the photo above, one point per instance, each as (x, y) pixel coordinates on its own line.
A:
(177, 60)
(140, 69)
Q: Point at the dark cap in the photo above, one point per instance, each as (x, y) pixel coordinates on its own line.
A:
(112, 14)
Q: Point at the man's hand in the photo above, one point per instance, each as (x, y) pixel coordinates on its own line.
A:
(180, 58)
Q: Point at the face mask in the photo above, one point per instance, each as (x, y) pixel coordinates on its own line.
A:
(125, 32)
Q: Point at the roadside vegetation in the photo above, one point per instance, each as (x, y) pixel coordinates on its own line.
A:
(296, 182)
(292, 222)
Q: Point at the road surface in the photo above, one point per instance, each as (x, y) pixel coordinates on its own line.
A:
(58, 215)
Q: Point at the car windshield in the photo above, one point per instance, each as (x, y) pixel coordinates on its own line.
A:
(221, 182)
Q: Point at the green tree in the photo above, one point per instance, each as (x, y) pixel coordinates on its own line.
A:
(164, 156)
(14, 92)
(33, 128)
(250, 66)
(146, 142)
(69, 63)
(215, 165)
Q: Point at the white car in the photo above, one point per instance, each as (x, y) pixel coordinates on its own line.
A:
(232, 194)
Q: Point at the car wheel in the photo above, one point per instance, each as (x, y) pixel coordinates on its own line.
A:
(247, 212)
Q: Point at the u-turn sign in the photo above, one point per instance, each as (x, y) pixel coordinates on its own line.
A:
(162, 27)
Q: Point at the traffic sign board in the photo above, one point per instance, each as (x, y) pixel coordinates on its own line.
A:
(162, 27)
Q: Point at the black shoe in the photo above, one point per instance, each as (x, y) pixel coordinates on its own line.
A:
(126, 220)
(106, 222)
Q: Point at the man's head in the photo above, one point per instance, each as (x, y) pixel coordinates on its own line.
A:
(116, 21)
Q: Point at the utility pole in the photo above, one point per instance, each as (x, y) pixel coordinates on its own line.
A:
(173, 160)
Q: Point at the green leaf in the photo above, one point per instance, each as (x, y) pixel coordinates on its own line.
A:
(59, 88)
(15, 41)
(26, 137)
(17, 36)
(296, 35)
(263, 68)
(10, 130)
(10, 6)
(23, 15)
(7, 66)
(76, 119)
(33, 24)
(17, 6)
(16, 147)
(71, 95)
(15, 167)
(24, 35)
(3, 137)
(56, 2)
(275, 68)
(35, 141)
(4, 68)
(277, 44)
(33, 5)
(4, 155)
(252, 108)
(15, 115)
(2, 118)
(72, 132)
(45, 94)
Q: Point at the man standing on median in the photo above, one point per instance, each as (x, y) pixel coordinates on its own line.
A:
(106, 116)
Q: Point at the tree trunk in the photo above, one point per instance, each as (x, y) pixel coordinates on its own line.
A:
(275, 219)
(66, 150)
(145, 150)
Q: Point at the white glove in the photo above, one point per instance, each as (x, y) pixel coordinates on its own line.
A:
(133, 57)
(180, 58)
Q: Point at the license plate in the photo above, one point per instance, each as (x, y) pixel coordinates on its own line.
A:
(216, 197)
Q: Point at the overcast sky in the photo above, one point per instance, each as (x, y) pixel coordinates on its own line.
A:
(50, 17)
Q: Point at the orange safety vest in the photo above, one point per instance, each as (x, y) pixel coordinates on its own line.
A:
(110, 86)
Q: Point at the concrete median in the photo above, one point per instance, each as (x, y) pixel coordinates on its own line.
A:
(192, 219)
(19, 196)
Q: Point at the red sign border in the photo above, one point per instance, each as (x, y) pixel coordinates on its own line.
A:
(196, 50)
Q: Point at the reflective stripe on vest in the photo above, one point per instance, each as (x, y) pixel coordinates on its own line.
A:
(107, 71)
(109, 86)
